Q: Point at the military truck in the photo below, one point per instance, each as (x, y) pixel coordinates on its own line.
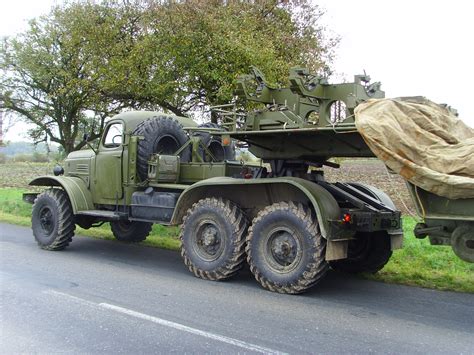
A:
(279, 215)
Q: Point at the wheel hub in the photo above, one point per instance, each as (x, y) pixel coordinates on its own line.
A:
(284, 248)
(210, 237)
(208, 243)
(46, 219)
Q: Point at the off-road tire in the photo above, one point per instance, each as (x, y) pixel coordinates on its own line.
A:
(228, 226)
(130, 231)
(301, 226)
(368, 252)
(214, 144)
(162, 135)
(52, 220)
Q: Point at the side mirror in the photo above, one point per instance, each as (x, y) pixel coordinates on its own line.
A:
(85, 138)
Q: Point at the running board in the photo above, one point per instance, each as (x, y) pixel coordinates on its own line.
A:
(104, 215)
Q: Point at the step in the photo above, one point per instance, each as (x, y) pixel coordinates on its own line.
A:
(104, 214)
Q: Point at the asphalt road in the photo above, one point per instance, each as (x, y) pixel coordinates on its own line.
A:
(108, 297)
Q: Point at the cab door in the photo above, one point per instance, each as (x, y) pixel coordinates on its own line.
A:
(108, 169)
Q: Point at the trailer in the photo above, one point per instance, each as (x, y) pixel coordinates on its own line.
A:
(445, 221)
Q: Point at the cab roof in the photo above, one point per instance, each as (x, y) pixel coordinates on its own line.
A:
(133, 118)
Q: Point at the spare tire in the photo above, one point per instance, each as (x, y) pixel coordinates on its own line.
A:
(161, 135)
(214, 144)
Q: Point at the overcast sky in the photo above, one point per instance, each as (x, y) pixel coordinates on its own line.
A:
(413, 47)
(416, 47)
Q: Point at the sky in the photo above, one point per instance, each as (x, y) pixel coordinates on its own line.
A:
(416, 47)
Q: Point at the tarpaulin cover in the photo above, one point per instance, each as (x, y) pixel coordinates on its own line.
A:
(422, 141)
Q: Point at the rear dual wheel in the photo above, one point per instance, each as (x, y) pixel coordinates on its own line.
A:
(285, 249)
(213, 239)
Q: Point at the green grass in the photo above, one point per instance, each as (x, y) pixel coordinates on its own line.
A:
(425, 265)
(418, 263)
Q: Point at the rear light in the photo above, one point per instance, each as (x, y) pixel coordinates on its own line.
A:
(346, 218)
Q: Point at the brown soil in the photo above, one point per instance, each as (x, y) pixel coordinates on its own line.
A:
(368, 171)
(373, 172)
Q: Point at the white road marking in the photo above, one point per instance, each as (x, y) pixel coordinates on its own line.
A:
(74, 298)
(169, 324)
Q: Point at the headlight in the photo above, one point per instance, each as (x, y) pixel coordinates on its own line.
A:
(58, 170)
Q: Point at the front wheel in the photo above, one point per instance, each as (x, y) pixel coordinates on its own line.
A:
(368, 252)
(213, 239)
(52, 220)
(285, 249)
(130, 231)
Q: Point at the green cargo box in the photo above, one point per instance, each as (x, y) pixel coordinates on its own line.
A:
(445, 221)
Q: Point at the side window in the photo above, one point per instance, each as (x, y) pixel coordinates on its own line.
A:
(113, 137)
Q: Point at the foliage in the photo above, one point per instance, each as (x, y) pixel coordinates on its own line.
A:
(3, 158)
(47, 79)
(201, 46)
(86, 60)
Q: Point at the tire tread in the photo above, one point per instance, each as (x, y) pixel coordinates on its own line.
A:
(239, 223)
(66, 224)
(314, 271)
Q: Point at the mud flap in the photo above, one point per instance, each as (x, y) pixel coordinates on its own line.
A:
(336, 250)
(396, 241)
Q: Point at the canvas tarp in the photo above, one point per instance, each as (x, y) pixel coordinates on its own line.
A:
(422, 141)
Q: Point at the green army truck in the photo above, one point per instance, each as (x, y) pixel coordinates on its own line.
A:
(280, 216)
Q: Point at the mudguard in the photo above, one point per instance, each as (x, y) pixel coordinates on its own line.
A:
(244, 193)
(76, 189)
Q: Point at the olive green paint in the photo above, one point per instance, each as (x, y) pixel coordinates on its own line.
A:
(77, 191)
(294, 124)
(260, 192)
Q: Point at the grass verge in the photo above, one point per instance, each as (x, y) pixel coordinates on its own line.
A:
(417, 264)
(421, 264)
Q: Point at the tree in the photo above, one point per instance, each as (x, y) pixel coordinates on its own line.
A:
(48, 79)
(193, 50)
(86, 60)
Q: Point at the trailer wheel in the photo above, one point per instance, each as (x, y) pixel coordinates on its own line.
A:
(285, 249)
(162, 135)
(130, 231)
(214, 144)
(213, 239)
(369, 252)
(462, 242)
(52, 220)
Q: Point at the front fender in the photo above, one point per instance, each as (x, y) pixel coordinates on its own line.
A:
(76, 189)
(253, 192)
